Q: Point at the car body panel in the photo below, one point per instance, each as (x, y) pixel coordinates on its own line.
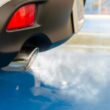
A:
(53, 19)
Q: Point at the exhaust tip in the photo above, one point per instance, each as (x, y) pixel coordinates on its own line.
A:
(24, 64)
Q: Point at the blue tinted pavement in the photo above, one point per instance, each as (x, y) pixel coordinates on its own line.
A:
(16, 93)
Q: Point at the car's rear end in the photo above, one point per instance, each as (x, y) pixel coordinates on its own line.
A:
(27, 24)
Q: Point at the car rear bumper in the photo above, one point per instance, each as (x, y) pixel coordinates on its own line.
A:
(53, 19)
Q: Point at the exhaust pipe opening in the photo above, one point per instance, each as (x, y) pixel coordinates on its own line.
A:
(23, 64)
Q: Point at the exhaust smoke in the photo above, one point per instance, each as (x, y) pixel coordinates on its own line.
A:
(81, 72)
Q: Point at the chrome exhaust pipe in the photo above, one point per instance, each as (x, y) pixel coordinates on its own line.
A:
(23, 65)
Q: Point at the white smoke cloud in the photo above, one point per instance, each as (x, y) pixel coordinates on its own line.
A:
(78, 72)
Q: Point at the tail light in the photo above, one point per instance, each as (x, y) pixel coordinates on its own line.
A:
(23, 17)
